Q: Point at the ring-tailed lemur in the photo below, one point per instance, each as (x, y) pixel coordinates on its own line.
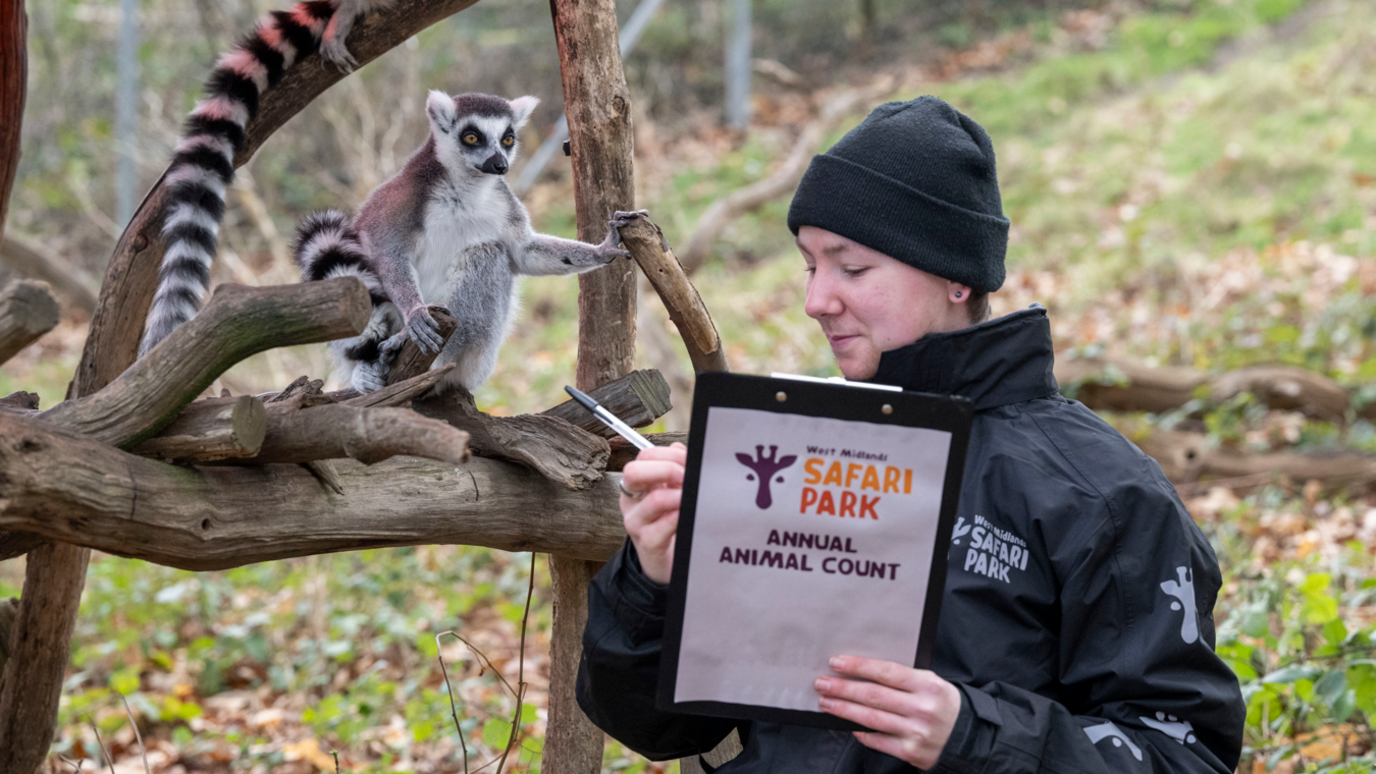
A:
(203, 163)
(444, 230)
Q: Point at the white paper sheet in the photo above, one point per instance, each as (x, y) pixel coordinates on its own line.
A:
(767, 607)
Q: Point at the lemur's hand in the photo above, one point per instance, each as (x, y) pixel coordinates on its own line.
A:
(611, 246)
(423, 330)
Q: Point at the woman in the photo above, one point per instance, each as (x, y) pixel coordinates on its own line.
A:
(1092, 649)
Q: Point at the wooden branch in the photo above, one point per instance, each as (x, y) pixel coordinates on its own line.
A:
(20, 401)
(14, 71)
(16, 544)
(210, 430)
(369, 435)
(651, 250)
(639, 398)
(623, 452)
(1187, 457)
(411, 361)
(238, 322)
(73, 489)
(601, 140)
(397, 393)
(784, 179)
(1113, 385)
(132, 273)
(32, 260)
(27, 311)
(552, 447)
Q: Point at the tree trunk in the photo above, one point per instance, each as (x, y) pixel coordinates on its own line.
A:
(598, 107)
(14, 73)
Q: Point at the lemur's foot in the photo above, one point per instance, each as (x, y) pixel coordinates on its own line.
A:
(423, 330)
(369, 377)
(333, 50)
(390, 347)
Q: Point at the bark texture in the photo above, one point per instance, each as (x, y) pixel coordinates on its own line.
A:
(70, 488)
(651, 250)
(368, 435)
(14, 73)
(550, 446)
(601, 139)
(239, 321)
(27, 311)
(638, 398)
(210, 430)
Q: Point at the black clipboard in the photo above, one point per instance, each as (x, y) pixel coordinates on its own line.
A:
(811, 398)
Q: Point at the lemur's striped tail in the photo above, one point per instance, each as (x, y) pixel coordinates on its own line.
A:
(203, 164)
(326, 246)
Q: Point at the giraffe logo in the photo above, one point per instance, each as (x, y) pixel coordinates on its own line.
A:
(962, 529)
(1107, 730)
(765, 468)
(1177, 729)
(1183, 591)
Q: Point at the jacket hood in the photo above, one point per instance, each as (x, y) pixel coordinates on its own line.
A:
(998, 362)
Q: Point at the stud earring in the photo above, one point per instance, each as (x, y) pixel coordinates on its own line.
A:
(958, 293)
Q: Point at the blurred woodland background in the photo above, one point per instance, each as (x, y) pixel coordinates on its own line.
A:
(1192, 184)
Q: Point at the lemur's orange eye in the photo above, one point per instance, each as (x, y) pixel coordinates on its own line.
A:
(508, 141)
(470, 139)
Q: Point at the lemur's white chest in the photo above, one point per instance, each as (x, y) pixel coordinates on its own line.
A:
(455, 221)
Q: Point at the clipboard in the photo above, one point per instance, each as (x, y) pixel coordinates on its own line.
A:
(816, 521)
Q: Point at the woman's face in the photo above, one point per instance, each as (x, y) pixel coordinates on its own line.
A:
(868, 303)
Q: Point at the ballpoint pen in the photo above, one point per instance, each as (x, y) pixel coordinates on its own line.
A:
(609, 419)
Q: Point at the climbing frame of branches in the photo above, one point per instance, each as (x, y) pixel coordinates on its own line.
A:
(134, 464)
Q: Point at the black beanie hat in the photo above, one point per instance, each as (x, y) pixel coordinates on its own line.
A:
(915, 181)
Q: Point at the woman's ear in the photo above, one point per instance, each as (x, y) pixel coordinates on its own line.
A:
(957, 293)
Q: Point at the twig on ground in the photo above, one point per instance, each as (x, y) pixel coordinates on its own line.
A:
(142, 750)
(520, 670)
(453, 710)
(101, 743)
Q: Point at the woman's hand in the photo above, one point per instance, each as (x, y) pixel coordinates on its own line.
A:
(912, 711)
(656, 475)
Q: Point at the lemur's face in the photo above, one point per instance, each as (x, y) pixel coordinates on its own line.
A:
(477, 132)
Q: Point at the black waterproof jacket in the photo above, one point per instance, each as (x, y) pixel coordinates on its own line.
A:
(1078, 615)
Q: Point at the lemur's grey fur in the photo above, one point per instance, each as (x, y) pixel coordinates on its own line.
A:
(445, 230)
(203, 163)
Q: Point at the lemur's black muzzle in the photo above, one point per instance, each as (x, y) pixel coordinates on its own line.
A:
(495, 165)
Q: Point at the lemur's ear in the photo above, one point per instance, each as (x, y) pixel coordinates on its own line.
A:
(442, 111)
(521, 108)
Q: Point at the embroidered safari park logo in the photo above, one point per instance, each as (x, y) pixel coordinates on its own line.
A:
(992, 552)
(765, 468)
